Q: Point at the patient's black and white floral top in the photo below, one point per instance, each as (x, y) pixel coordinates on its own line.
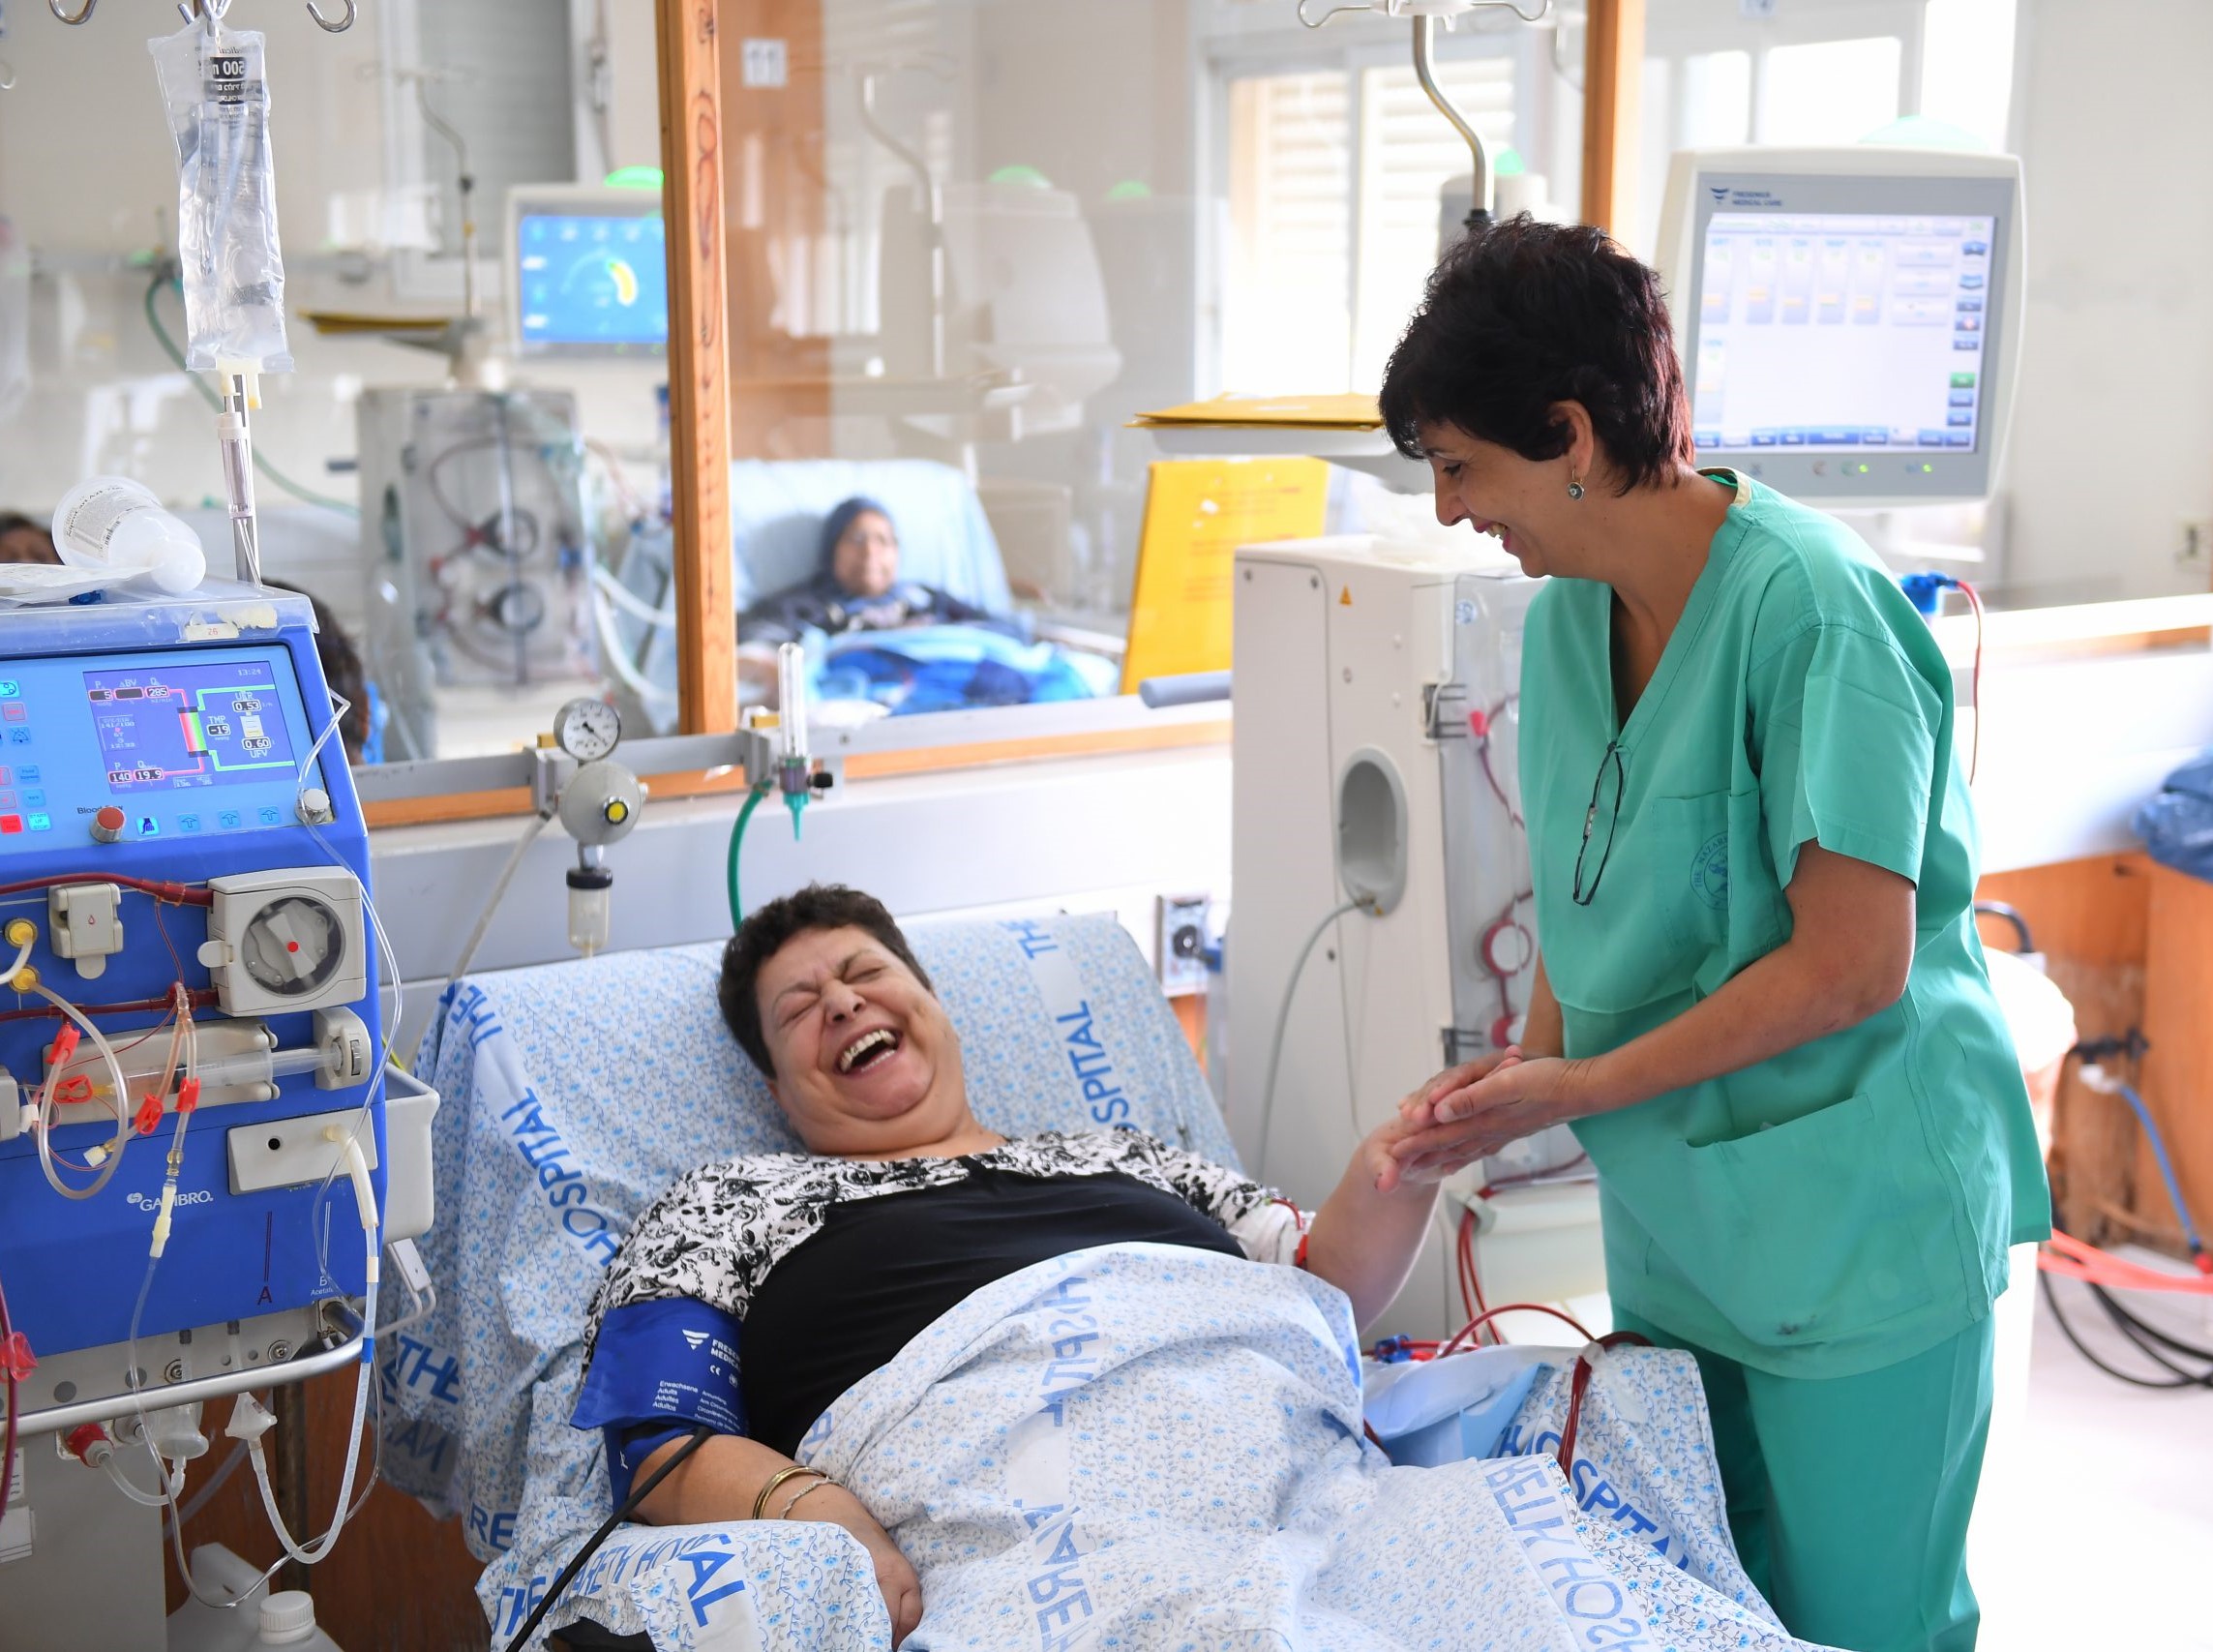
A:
(715, 1234)
(755, 1291)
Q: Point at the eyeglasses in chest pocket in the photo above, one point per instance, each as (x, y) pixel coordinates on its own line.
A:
(1662, 910)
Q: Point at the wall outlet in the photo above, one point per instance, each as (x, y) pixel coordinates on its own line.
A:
(1179, 940)
(768, 65)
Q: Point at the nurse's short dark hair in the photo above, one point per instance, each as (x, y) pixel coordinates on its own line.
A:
(1521, 316)
(767, 931)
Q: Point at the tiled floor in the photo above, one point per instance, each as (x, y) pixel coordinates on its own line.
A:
(2111, 1545)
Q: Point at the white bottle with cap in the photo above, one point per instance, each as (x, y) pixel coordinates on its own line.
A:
(111, 521)
(259, 1619)
(288, 1619)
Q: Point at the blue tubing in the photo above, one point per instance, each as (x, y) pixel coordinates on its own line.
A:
(2166, 1167)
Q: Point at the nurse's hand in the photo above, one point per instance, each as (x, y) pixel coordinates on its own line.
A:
(1380, 1150)
(1444, 1129)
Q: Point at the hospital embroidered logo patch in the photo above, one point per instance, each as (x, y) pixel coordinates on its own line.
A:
(1710, 872)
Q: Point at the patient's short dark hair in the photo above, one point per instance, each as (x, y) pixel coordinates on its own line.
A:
(766, 932)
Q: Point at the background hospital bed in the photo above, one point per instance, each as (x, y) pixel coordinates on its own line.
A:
(776, 510)
(578, 1090)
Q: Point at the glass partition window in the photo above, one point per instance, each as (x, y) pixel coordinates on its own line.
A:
(968, 244)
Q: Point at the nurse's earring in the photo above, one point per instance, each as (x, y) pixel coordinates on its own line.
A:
(1574, 488)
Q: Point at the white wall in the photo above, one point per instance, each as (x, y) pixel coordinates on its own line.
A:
(1081, 835)
(2112, 444)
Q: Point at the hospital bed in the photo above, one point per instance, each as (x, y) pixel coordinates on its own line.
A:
(579, 1091)
(945, 541)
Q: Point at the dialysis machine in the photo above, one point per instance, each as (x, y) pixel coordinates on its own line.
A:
(1382, 929)
(477, 549)
(184, 906)
(479, 537)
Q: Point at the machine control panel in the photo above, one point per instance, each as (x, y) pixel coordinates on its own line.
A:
(169, 744)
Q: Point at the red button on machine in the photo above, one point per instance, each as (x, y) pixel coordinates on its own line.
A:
(108, 825)
(11, 823)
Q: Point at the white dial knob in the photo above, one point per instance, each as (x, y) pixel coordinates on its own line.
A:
(293, 946)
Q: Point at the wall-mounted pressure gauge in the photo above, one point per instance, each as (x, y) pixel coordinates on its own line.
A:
(587, 730)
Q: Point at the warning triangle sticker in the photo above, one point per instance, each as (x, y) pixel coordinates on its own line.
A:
(1345, 597)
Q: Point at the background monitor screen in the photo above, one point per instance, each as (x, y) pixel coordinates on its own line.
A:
(1847, 331)
(591, 282)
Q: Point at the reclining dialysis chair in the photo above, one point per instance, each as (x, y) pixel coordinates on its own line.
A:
(577, 1093)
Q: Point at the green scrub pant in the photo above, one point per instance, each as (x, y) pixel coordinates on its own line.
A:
(1850, 1496)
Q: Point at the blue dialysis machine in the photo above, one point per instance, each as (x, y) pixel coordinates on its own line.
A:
(184, 875)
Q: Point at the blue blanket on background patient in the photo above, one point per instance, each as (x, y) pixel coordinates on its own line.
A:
(951, 668)
(1149, 1446)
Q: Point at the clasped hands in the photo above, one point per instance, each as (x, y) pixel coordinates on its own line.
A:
(1470, 1113)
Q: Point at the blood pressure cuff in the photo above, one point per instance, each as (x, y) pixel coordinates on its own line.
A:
(659, 1370)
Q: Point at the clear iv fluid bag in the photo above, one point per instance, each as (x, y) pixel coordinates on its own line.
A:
(216, 95)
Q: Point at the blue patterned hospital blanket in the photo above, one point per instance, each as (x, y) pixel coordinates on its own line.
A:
(1145, 1447)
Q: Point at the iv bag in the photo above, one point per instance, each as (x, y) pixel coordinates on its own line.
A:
(216, 95)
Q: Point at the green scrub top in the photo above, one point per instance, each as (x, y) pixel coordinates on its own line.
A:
(1848, 1203)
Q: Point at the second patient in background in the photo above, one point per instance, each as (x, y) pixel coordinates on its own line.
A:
(856, 587)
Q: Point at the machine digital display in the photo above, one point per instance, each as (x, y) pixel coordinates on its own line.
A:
(166, 727)
(591, 282)
(1842, 331)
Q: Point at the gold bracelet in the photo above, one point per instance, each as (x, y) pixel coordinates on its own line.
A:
(820, 1481)
(761, 1501)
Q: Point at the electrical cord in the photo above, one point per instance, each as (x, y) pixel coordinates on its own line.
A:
(2147, 1341)
(2099, 1273)
(498, 893)
(1283, 1024)
(568, 1575)
(2175, 1382)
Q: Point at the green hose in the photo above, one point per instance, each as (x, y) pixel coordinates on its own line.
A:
(737, 842)
(260, 464)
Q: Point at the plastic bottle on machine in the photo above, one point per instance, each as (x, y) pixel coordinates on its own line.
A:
(262, 1619)
(288, 1619)
(111, 521)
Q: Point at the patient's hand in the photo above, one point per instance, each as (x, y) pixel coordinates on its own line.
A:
(894, 1575)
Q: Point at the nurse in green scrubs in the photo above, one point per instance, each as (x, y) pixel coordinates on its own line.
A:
(1761, 1002)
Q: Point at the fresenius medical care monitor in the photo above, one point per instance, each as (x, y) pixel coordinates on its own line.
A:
(1849, 319)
